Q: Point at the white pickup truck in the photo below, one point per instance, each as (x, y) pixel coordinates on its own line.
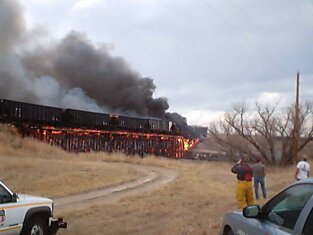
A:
(26, 215)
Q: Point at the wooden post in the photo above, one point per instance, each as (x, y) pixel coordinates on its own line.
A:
(296, 136)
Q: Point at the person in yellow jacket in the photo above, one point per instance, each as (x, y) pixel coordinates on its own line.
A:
(244, 190)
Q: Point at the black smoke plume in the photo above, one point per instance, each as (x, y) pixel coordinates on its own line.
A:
(72, 72)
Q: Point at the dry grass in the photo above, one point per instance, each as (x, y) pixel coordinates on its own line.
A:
(36, 168)
(193, 204)
(56, 178)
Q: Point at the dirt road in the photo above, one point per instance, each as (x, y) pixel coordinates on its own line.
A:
(154, 177)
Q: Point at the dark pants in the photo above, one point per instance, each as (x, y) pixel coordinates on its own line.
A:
(259, 180)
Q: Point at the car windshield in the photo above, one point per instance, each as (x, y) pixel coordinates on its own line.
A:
(286, 207)
(5, 196)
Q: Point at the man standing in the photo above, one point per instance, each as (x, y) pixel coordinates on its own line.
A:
(244, 192)
(258, 170)
(303, 169)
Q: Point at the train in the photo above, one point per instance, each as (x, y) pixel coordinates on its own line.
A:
(16, 111)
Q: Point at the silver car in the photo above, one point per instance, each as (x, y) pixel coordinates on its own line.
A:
(289, 212)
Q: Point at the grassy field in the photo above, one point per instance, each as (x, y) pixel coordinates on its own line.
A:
(193, 204)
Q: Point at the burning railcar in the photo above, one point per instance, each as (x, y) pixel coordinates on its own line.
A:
(83, 131)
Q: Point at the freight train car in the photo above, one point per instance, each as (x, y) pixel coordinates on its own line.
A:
(39, 114)
(131, 123)
(80, 118)
(159, 124)
(25, 112)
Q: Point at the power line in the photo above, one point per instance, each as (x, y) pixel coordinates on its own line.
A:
(258, 29)
(242, 35)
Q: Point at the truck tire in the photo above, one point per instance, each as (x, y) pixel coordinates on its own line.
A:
(36, 226)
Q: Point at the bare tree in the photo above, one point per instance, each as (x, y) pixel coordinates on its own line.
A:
(264, 133)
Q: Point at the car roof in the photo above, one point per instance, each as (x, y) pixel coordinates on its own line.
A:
(307, 180)
(304, 181)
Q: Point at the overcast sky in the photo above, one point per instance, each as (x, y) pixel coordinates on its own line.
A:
(203, 55)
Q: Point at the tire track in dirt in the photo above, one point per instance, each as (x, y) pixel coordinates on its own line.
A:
(154, 177)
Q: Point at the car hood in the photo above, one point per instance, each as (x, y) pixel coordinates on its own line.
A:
(234, 213)
(237, 215)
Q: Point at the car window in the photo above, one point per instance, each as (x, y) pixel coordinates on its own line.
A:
(5, 196)
(286, 207)
(308, 226)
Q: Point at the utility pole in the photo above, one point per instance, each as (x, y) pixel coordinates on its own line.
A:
(296, 134)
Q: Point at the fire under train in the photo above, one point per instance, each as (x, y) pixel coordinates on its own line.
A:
(84, 131)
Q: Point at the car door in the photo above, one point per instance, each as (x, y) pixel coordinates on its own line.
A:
(258, 227)
(308, 226)
(11, 215)
(281, 214)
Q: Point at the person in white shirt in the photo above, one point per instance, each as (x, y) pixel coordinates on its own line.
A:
(303, 169)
